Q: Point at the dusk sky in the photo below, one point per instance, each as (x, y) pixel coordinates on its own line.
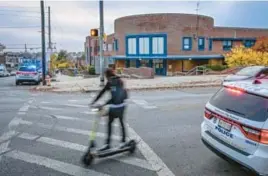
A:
(72, 20)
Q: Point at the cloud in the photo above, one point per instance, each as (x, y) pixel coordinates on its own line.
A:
(72, 20)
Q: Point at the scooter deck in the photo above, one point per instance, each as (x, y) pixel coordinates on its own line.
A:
(112, 151)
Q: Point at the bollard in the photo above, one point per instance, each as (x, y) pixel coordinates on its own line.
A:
(48, 80)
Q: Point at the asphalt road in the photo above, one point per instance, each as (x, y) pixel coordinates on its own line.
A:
(46, 134)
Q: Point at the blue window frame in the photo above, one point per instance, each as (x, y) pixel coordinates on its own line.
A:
(115, 45)
(201, 43)
(146, 45)
(210, 44)
(187, 43)
(131, 48)
(227, 45)
(249, 43)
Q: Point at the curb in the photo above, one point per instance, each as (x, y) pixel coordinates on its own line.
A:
(55, 90)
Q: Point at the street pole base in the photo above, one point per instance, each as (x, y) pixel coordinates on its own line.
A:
(101, 82)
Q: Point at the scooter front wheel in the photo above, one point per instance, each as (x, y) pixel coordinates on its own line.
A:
(87, 159)
(132, 144)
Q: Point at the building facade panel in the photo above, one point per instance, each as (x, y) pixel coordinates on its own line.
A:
(174, 42)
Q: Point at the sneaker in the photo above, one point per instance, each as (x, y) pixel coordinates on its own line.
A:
(105, 147)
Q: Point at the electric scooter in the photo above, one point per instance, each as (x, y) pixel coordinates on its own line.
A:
(90, 155)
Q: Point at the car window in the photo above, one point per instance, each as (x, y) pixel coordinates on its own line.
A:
(28, 69)
(242, 104)
(263, 72)
(249, 71)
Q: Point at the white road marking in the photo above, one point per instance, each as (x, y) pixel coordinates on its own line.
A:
(88, 112)
(6, 136)
(65, 129)
(151, 157)
(21, 113)
(72, 100)
(76, 105)
(56, 165)
(144, 104)
(46, 102)
(132, 160)
(11, 128)
(24, 108)
(50, 108)
(79, 119)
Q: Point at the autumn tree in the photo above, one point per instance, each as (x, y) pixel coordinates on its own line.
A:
(62, 55)
(261, 44)
(241, 56)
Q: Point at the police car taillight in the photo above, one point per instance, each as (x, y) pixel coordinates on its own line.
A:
(260, 136)
(208, 114)
(235, 91)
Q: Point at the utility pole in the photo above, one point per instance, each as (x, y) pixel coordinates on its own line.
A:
(43, 42)
(101, 43)
(49, 30)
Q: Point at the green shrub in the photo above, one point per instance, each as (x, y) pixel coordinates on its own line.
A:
(217, 67)
(91, 70)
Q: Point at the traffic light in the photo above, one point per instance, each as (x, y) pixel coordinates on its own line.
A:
(94, 33)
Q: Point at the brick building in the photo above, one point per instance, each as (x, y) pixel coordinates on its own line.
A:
(174, 42)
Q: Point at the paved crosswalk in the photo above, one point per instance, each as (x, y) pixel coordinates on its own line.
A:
(55, 135)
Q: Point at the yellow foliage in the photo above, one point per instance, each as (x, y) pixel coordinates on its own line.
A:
(241, 56)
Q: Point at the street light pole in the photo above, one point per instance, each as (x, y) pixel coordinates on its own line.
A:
(43, 42)
(101, 44)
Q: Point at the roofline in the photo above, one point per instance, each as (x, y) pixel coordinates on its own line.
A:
(171, 57)
(146, 14)
(240, 28)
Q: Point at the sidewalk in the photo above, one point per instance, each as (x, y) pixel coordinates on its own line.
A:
(76, 84)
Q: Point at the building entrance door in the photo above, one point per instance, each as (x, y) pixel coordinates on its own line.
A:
(160, 66)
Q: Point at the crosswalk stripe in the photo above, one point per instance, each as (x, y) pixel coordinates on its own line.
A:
(133, 161)
(56, 165)
(144, 104)
(79, 119)
(65, 129)
(151, 157)
(49, 108)
(76, 105)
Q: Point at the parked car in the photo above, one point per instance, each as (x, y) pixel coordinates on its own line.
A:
(235, 125)
(13, 73)
(3, 71)
(246, 73)
(28, 74)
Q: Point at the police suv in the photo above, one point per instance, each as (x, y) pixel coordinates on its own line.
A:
(235, 125)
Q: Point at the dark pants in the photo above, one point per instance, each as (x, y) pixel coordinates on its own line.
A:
(113, 114)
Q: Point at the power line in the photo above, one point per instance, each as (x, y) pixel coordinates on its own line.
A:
(28, 11)
(2, 14)
(20, 44)
(20, 27)
(18, 7)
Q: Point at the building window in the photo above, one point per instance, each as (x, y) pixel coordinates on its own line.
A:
(158, 45)
(110, 47)
(210, 44)
(249, 43)
(144, 45)
(187, 43)
(227, 45)
(115, 45)
(201, 43)
(131, 46)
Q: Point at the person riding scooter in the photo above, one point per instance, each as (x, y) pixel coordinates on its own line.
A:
(116, 105)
